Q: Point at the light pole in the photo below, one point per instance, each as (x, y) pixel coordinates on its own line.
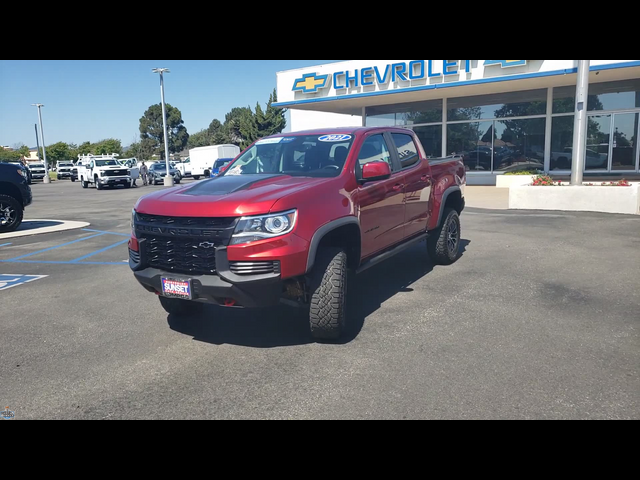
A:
(46, 178)
(580, 123)
(168, 179)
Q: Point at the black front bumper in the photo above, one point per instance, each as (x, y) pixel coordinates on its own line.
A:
(253, 291)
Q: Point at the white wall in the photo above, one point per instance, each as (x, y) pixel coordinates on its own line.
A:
(309, 120)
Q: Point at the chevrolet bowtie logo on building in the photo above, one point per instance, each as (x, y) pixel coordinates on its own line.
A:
(310, 83)
(7, 414)
(506, 63)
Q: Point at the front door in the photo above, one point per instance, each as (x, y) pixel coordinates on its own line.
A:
(382, 208)
(612, 143)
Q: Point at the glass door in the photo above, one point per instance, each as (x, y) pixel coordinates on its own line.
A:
(625, 142)
(598, 143)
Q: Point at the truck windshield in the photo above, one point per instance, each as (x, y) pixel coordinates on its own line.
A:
(107, 163)
(301, 156)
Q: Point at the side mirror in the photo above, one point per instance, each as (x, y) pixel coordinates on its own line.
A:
(375, 171)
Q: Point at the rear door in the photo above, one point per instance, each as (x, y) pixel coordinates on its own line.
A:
(381, 203)
(418, 183)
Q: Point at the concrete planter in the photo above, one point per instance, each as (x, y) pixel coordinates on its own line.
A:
(624, 200)
(508, 181)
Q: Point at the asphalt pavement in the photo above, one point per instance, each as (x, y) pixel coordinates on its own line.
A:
(538, 320)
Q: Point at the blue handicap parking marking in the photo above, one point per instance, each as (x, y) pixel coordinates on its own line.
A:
(10, 281)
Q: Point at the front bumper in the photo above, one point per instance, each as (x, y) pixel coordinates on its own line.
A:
(250, 292)
(37, 176)
(114, 180)
(64, 174)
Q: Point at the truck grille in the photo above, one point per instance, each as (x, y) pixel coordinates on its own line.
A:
(222, 222)
(254, 268)
(115, 173)
(188, 256)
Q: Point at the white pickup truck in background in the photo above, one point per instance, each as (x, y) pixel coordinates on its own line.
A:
(103, 171)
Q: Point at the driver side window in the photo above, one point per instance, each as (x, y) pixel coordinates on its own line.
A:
(374, 149)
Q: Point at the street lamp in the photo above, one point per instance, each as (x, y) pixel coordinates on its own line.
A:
(168, 179)
(46, 178)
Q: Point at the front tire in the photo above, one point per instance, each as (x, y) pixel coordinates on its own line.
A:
(444, 243)
(196, 177)
(180, 308)
(98, 186)
(11, 212)
(327, 312)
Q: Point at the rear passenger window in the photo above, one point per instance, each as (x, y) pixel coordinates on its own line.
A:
(407, 150)
(374, 149)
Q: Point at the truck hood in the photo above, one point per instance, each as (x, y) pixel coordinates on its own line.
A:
(227, 196)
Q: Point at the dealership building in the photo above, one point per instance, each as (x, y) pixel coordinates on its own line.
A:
(499, 115)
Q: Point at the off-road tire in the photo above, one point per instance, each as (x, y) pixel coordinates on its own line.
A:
(328, 289)
(16, 217)
(180, 308)
(444, 243)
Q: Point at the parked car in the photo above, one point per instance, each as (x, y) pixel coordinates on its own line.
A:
(292, 218)
(219, 165)
(158, 171)
(37, 171)
(63, 170)
(103, 171)
(15, 196)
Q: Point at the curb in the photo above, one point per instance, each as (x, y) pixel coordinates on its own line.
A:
(39, 227)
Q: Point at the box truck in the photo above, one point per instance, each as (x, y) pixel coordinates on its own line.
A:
(203, 158)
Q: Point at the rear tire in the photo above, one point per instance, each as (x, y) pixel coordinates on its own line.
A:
(327, 312)
(11, 212)
(444, 243)
(84, 183)
(196, 177)
(73, 179)
(180, 308)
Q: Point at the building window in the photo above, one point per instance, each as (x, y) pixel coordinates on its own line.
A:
(407, 150)
(519, 145)
(620, 95)
(500, 105)
(405, 114)
(625, 141)
(431, 139)
(473, 141)
(561, 143)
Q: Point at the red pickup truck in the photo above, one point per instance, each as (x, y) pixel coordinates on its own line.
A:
(292, 217)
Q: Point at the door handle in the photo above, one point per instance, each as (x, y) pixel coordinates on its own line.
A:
(398, 186)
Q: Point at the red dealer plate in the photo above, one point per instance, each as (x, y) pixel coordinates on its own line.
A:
(173, 288)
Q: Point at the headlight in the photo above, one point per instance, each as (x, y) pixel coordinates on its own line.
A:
(251, 229)
(102, 173)
(133, 217)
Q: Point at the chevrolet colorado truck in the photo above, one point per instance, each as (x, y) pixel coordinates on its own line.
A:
(292, 218)
(15, 196)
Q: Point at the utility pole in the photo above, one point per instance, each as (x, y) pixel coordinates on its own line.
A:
(46, 178)
(580, 123)
(168, 179)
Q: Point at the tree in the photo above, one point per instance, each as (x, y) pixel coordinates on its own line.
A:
(232, 122)
(58, 152)
(85, 148)
(152, 131)
(200, 139)
(9, 155)
(107, 147)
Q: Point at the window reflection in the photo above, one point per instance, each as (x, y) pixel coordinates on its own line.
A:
(519, 145)
(561, 143)
(500, 105)
(474, 142)
(625, 142)
(431, 139)
(598, 138)
(405, 114)
(602, 96)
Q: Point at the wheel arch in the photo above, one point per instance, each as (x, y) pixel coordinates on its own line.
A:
(7, 188)
(344, 232)
(453, 198)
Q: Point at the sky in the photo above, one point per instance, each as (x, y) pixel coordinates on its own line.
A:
(90, 100)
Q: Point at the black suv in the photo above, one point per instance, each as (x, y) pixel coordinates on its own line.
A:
(15, 195)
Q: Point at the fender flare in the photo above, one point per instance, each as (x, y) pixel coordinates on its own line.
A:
(322, 232)
(445, 195)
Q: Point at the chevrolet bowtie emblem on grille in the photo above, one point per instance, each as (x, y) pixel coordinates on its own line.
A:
(310, 83)
(207, 245)
(506, 63)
